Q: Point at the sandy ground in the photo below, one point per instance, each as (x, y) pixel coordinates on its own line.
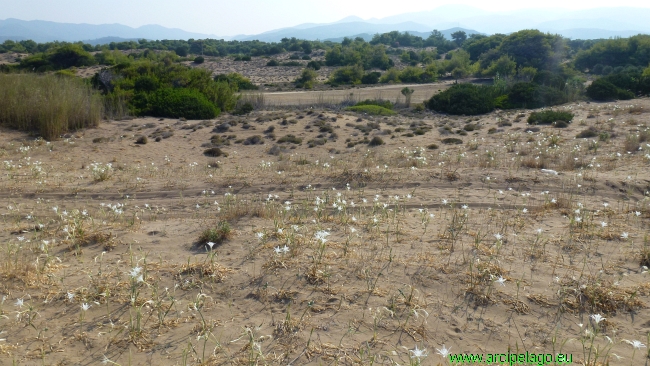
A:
(337, 254)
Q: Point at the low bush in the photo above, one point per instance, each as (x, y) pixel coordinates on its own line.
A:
(142, 140)
(214, 152)
(374, 110)
(217, 235)
(371, 78)
(291, 139)
(273, 62)
(588, 133)
(464, 98)
(254, 140)
(181, 102)
(199, 60)
(245, 108)
(380, 102)
(376, 141)
(452, 141)
(548, 117)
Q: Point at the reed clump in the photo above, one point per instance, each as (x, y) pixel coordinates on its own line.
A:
(49, 105)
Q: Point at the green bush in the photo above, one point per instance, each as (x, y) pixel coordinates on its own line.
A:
(603, 90)
(237, 80)
(533, 95)
(374, 110)
(464, 98)
(371, 78)
(47, 104)
(216, 235)
(199, 60)
(549, 116)
(291, 139)
(273, 62)
(380, 102)
(316, 65)
(181, 102)
(291, 63)
(347, 75)
(307, 78)
(63, 57)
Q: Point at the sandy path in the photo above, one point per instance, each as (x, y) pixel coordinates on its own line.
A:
(421, 93)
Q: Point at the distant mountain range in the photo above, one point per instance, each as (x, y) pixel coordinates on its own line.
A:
(45, 31)
(576, 24)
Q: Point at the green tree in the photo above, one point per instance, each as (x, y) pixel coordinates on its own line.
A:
(459, 37)
(407, 93)
(505, 66)
(530, 48)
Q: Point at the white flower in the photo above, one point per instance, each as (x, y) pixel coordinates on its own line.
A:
(501, 281)
(19, 303)
(498, 236)
(285, 249)
(624, 235)
(637, 213)
(135, 272)
(444, 351)
(418, 353)
(597, 318)
(70, 296)
(210, 244)
(278, 250)
(260, 236)
(603, 224)
(85, 306)
(524, 210)
(636, 344)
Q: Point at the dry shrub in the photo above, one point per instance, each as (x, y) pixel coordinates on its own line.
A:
(212, 270)
(596, 295)
(533, 162)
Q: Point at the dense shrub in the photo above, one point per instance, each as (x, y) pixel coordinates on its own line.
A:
(238, 81)
(316, 65)
(533, 95)
(66, 56)
(181, 102)
(468, 99)
(549, 116)
(307, 78)
(374, 110)
(371, 78)
(273, 62)
(603, 90)
(346, 75)
(199, 60)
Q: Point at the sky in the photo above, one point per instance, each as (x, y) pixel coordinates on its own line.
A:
(232, 17)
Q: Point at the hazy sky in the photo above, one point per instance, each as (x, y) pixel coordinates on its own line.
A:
(225, 18)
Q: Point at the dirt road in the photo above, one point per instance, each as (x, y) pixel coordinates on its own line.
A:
(390, 92)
